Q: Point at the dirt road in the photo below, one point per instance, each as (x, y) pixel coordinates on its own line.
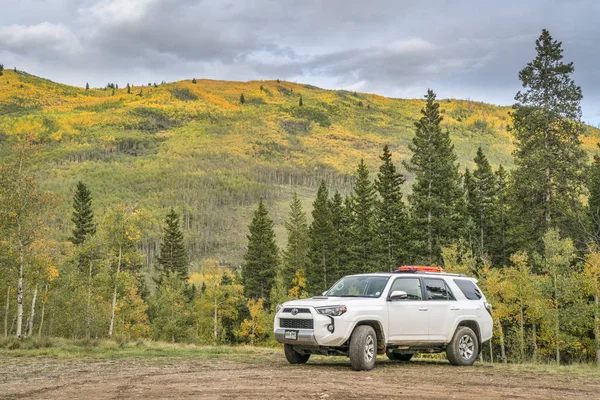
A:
(272, 378)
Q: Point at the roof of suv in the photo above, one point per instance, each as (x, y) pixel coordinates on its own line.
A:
(418, 273)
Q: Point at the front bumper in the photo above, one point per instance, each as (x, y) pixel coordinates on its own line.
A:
(305, 337)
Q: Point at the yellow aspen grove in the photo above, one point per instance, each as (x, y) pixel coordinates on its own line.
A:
(591, 273)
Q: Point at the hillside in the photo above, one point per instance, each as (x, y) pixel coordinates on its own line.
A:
(194, 147)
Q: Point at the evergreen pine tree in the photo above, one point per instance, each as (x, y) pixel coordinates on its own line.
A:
(193, 81)
(482, 201)
(128, 89)
(173, 255)
(1, 69)
(391, 216)
(295, 253)
(363, 245)
(262, 256)
(499, 253)
(469, 228)
(87, 86)
(549, 160)
(300, 102)
(320, 266)
(436, 200)
(242, 99)
(83, 215)
(340, 239)
(593, 208)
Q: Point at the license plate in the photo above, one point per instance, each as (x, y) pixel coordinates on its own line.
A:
(291, 335)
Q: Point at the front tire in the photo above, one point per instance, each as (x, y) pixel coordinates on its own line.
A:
(463, 349)
(398, 356)
(363, 348)
(293, 356)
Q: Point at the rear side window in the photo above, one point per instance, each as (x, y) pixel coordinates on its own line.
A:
(437, 289)
(469, 289)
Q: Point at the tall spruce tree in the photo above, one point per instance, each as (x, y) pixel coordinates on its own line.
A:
(363, 247)
(499, 253)
(391, 219)
(173, 257)
(481, 204)
(469, 228)
(437, 197)
(546, 122)
(83, 215)
(340, 240)
(320, 268)
(295, 253)
(593, 208)
(262, 256)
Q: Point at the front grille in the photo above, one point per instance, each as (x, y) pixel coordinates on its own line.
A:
(296, 323)
(300, 310)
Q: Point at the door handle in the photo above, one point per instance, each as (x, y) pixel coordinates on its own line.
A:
(422, 308)
(454, 308)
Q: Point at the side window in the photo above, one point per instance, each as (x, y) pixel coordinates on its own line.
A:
(437, 289)
(412, 287)
(469, 289)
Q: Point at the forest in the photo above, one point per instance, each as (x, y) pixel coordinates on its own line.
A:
(186, 212)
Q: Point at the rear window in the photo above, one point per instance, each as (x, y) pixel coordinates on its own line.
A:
(437, 290)
(469, 289)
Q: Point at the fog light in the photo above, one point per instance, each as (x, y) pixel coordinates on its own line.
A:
(330, 328)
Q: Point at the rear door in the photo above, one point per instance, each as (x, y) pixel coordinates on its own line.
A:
(443, 308)
(408, 319)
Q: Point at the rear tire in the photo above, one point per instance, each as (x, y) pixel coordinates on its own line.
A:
(399, 356)
(463, 349)
(293, 356)
(363, 348)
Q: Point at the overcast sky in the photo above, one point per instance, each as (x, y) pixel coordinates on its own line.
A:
(461, 49)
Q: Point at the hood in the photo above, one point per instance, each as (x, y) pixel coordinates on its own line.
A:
(320, 301)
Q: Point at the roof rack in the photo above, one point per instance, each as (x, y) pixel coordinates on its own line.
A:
(423, 269)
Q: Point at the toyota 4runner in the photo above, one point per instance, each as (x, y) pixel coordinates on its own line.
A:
(399, 314)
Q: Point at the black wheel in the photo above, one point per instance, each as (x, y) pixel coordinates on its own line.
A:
(293, 356)
(464, 347)
(363, 348)
(398, 356)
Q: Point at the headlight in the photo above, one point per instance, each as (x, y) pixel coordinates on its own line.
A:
(332, 311)
(278, 308)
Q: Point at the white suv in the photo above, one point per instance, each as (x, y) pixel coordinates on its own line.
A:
(399, 314)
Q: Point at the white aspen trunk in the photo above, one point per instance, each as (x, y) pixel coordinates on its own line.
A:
(491, 352)
(556, 323)
(89, 301)
(534, 334)
(522, 331)
(215, 319)
(114, 300)
(43, 310)
(20, 292)
(597, 329)
(502, 348)
(6, 312)
(32, 315)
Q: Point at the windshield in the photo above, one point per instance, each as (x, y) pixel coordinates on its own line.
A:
(359, 286)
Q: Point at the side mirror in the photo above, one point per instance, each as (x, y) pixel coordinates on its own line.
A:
(398, 295)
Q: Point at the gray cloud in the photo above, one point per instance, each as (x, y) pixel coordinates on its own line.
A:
(462, 49)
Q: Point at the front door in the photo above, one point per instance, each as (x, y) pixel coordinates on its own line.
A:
(408, 319)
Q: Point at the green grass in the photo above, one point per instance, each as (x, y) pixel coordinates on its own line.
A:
(94, 349)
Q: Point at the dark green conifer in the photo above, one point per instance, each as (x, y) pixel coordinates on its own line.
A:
(87, 86)
(300, 101)
(295, 253)
(320, 266)
(242, 99)
(340, 239)
(193, 81)
(83, 215)
(173, 255)
(437, 197)
(391, 216)
(262, 257)
(481, 204)
(128, 89)
(549, 160)
(593, 209)
(363, 245)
